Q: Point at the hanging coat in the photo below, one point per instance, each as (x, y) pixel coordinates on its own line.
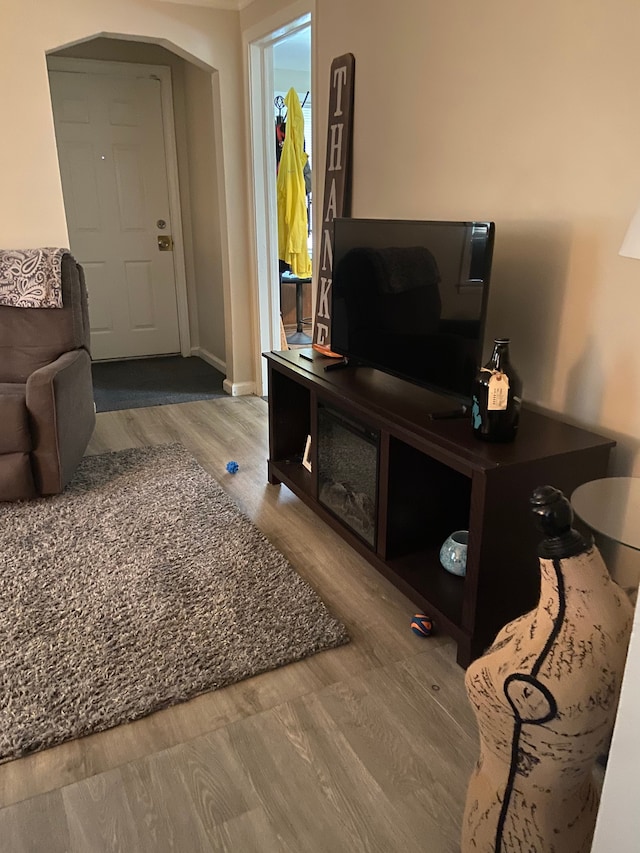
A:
(292, 197)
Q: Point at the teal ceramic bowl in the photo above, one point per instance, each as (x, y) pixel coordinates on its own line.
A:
(453, 554)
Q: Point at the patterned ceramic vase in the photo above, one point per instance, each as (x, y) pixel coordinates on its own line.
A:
(453, 554)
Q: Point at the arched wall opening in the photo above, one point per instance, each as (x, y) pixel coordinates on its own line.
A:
(200, 193)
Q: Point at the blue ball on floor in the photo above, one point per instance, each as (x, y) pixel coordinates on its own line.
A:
(232, 467)
(422, 625)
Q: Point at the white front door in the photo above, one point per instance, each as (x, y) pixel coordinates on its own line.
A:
(109, 132)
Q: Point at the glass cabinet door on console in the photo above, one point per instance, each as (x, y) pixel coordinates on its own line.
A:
(348, 471)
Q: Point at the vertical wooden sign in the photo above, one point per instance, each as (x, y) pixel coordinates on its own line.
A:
(337, 189)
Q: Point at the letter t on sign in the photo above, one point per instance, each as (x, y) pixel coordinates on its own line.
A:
(337, 188)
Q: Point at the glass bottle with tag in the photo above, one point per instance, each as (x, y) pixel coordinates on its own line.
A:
(497, 396)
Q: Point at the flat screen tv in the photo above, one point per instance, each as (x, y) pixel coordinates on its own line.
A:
(410, 298)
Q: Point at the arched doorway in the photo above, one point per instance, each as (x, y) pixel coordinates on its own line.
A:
(195, 202)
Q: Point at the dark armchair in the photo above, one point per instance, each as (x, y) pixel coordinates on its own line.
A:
(47, 413)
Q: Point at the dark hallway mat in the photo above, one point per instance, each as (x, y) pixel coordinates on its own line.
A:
(139, 382)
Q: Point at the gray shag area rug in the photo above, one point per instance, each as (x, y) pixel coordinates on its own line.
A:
(139, 587)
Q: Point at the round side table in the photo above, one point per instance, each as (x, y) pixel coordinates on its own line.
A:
(611, 506)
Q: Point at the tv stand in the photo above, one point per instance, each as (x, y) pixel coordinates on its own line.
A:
(460, 412)
(337, 365)
(394, 477)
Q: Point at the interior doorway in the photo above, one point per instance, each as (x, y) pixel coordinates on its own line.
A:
(191, 113)
(278, 61)
(292, 70)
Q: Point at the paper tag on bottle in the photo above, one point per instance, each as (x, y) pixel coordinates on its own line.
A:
(498, 396)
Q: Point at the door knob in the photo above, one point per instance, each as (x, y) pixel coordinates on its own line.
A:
(165, 242)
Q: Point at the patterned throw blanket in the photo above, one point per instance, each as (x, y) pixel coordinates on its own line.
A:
(31, 278)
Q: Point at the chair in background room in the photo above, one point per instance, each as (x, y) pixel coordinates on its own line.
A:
(299, 336)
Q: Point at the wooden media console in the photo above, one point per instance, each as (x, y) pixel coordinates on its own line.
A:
(395, 483)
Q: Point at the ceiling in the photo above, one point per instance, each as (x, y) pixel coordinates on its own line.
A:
(213, 4)
(293, 53)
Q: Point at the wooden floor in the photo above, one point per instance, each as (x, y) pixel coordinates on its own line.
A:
(363, 748)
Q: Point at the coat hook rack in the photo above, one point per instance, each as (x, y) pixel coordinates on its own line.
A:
(279, 104)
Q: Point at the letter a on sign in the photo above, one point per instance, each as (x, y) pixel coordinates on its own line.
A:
(337, 188)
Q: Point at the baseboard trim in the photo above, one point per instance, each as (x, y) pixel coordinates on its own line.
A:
(234, 389)
(239, 389)
(210, 358)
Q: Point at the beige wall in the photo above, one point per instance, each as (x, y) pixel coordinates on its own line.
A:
(204, 204)
(285, 79)
(527, 115)
(258, 14)
(521, 114)
(32, 212)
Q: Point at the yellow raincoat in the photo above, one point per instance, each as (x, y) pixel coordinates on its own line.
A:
(292, 198)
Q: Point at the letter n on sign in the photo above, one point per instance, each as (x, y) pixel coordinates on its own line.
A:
(337, 188)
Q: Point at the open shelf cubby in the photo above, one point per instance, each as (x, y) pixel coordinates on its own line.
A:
(407, 482)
